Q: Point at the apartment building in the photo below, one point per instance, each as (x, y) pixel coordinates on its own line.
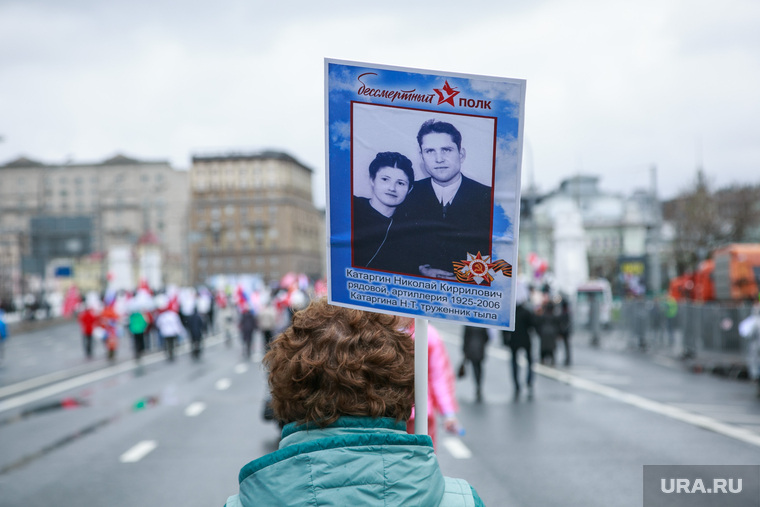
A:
(253, 213)
(75, 212)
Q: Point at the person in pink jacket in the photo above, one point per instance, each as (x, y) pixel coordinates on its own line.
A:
(441, 397)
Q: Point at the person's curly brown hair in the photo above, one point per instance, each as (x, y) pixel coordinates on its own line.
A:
(334, 361)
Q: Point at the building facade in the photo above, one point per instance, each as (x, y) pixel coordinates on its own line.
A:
(123, 198)
(615, 227)
(254, 214)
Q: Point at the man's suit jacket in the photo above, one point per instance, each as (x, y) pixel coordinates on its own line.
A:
(440, 237)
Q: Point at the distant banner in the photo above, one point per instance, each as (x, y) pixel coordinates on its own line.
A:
(423, 183)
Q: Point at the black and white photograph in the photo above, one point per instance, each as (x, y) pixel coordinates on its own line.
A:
(422, 189)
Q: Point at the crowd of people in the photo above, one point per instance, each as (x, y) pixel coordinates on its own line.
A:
(355, 377)
(165, 319)
(539, 314)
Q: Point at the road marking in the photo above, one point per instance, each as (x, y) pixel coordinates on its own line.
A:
(26, 385)
(195, 409)
(241, 368)
(223, 384)
(65, 385)
(138, 452)
(457, 448)
(737, 432)
(671, 411)
(721, 409)
(75, 382)
(608, 378)
(739, 418)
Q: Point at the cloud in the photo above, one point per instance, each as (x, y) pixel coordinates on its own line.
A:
(613, 87)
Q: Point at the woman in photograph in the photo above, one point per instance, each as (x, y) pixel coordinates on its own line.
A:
(375, 235)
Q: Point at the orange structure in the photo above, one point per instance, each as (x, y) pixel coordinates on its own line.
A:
(737, 271)
(732, 273)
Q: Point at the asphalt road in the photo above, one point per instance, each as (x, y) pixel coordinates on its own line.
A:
(76, 432)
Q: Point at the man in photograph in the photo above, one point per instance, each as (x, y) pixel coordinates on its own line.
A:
(448, 213)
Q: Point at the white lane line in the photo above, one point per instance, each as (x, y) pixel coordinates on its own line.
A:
(609, 378)
(75, 382)
(719, 409)
(223, 384)
(195, 409)
(671, 411)
(241, 368)
(65, 385)
(32, 383)
(737, 432)
(138, 451)
(456, 448)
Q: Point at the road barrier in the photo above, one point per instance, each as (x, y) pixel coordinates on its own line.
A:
(706, 331)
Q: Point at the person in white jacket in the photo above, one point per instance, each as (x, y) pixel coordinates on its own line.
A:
(170, 327)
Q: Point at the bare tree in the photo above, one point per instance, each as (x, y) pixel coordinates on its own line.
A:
(696, 224)
(704, 220)
(739, 210)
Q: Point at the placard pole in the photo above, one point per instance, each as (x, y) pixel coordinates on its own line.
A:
(421, 376)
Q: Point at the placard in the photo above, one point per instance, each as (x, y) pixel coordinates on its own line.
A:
(423, 191)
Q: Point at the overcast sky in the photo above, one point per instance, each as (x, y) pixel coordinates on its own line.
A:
(613, 87)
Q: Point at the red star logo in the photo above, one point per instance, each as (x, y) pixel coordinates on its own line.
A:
(449, 92)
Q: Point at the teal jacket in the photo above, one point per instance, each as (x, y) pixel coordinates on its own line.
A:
(355, 461)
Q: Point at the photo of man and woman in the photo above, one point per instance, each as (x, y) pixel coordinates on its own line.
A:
(428, 204)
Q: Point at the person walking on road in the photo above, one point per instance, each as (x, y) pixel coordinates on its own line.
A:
(548, 331)
(87, 319)
(343, 381)
(138, 324)
(441, 396)
(267, 321)
(169, 326)
(474, 349)
(195, 326)
(565, 324)
(109, 321)
(247, 326)
(520, 339)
